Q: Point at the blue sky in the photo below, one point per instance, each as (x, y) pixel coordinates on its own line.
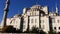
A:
(18, 5)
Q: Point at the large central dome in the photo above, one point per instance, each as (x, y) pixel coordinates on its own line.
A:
(36, 7)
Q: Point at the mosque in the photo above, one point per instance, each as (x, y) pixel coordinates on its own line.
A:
(36, 16)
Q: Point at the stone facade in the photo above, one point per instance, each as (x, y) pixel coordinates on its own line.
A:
(36, 16)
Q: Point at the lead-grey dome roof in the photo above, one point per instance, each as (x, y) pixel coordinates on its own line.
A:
(36, 7)
(17, 15)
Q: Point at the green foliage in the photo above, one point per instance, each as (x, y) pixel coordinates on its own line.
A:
(18, 31)
(35, 30)
(8, 29)
(42, 32)
(52, 32)
(58, 32)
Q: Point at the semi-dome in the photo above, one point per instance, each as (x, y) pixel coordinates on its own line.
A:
(36, 7)
(17, 15)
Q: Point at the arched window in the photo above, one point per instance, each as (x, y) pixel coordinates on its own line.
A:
(31, 20)
(12, 21)
(35, 20)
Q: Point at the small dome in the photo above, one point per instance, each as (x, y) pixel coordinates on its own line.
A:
(36, 7)
(17, 15)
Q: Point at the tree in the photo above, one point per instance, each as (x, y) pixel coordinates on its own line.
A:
(34, 30)
(42, 32)
(18, 31)
(52, 32)
(58, 32)
(8, 29)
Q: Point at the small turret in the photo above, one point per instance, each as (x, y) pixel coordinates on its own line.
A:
(24, 10)
(56, 9)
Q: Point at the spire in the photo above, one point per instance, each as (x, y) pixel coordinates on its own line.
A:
(56, 8)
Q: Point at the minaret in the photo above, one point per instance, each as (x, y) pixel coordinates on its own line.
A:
(56, 9)
(5, 13)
